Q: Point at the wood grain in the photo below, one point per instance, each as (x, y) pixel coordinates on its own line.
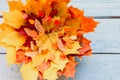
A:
(95, 67)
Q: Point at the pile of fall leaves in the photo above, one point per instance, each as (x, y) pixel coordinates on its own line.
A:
(45, 36)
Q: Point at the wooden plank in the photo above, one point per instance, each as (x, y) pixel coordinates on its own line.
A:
(91, 7)
(95, 67)
(98, 7)
(106, 37)
(99, 67)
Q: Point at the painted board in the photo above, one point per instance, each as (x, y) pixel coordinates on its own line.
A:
(106, 37)
(91, 7)
(95, 67)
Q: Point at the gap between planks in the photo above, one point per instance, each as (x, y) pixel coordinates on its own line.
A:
(92, 53)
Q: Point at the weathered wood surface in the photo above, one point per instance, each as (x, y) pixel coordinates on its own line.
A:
(106, 39)
(95, 67)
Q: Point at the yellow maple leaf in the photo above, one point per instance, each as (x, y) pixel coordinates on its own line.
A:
(37, 60)
(41, 39)
(9, 36)
(53, 37)
(28, 72)
(11, 54)
(13, 38)
(6, 27)
(3, 44)
(50, 73)
(15, 4)
(76, 46)
(13, 18)
(43, 56)
(58, 62)
(45, 42)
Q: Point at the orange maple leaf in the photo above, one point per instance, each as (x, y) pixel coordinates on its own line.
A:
(69, 70)
(88, 24)
(76, 13)
(20, 57)
(85, 41)
(86, 49)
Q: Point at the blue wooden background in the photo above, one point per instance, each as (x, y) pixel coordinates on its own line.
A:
(106, 39)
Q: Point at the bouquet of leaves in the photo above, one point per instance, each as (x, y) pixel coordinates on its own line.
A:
(45, 36)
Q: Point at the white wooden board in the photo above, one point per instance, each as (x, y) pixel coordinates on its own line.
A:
(98, 7)
(95, 67)
(91, 7)
(99, 67)
(106, 37)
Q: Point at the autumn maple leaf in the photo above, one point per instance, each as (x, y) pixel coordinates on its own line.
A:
(85, 49)
(76, 13)
(69, 70)
(43, 66)
(88, 24)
